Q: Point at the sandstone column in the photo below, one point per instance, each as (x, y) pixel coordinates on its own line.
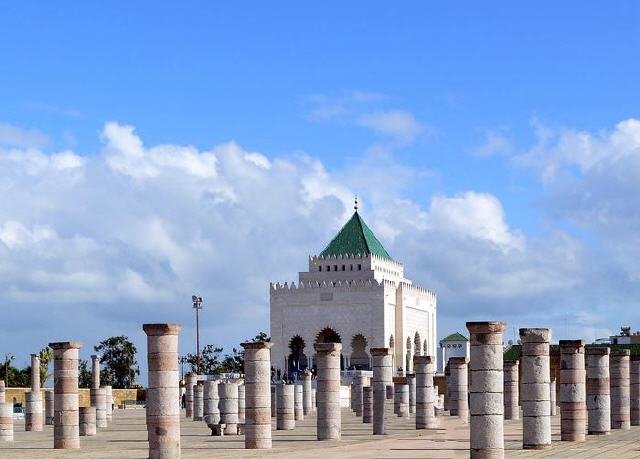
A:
(486, 394)
(66, 427)
(458, 383)
(620, 390)
(297, 402)
(228, 404)
(33, 419)
(285, 419)
(401, 396)
(411, 380)
(211, 411)
(598, 398)
(241, 402)
(425, 411)
(511, 389)
(329, 422)
(6, 421)
(274, 401)
(535, 373)
(87, 415)
(307, 405)
(190, 380)
(573, 403)
(198, 401)
(634, 385)
(381, 358)
(163, 395)
(48, 407)
(108, 390)
(367, 405)
(257, 368)
(99, 400)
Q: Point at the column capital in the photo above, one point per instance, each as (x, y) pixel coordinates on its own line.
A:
(620, 353)
(65, 345)
(380, 351)
(603, 350)
(486, 327)
(569, 344)
(257, 345)
(422, 359)
(535, 335)
(327, 347)
(162, 329)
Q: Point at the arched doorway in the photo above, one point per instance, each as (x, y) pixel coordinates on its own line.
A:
(297, 361)
(329, 335)
(359, 358)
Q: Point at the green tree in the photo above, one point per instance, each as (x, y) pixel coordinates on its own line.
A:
(46, 356)
(118, 357)
(84, 375)
(210, 360)
(261, 337)
(234, 362)
(16, 377)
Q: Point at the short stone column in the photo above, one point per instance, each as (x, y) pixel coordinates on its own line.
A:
(198, 401)
(285, 419)
(381, 358)
(401, 396)
(329, 421)
(358, 385)
(634, 385)
(458, 384)
(33, 419)
(163, 395)
(98, 399)
(307, 402)
(66, 427)
(534, 396)
(6, 421)
(425, 410)
(257, 368)
(367, 405)
(48, 407)
(573, 395)
(411, 381)
(511, 389)
(87, 416)
(486, 394)
(598, 395)
(298, 411)
(108, 390)
(274, 401)
(191, 379)
(553, 400)
(389, 389)
(211, 410)
(241, 402)
(620, 389)
(228, 404)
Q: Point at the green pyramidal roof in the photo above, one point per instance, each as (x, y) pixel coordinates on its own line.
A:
(454, 337)
(355, 237)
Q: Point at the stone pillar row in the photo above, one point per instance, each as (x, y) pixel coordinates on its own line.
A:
(598, 392)
(329, 423)
(411, 381)
(198, 401)
(401, 396)
(307, 402)
(33, 418)
(6, 420)
(211, 399)
(620, 389)
(87, 418)
(511, 389)
(285, 419)
(573, 396)
(381, 359)
(228, 405)
(458, 388)
(298, 412)
(257, 367)
(367, 405)
(66, 426)
(425, 394)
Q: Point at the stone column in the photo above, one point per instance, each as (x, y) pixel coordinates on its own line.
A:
(6, 421)
(286, 418)
(66, 427)
(382, 359)
(95, 372)
(99, 400)
(620, 390)
(425, 411)
(2, 392)
(367, 404)
(634, 385)
(411, 380)
(486, 394)
(241, 402)
(198, 401)
(352, 396)
(534, 396)
(389, 388)
(401, 396)
(274, 401)
(257, 368)
(358, 385)
(553, 401)
(573, 397)
(329, 422)
(313, 399)
(458, 383)
(297, 402)
(190, 380)
(87, 415)
(211, 411)
(163, 395)
(511, 389)
(48, 407)
(598, 398)
(108, 391)
(33, 419)
(307, 405)
(228, 404)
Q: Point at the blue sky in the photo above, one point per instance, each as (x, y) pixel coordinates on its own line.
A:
(518, 105)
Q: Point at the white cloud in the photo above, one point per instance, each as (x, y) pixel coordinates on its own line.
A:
(15, 136)
(495, 143)
(399, 124)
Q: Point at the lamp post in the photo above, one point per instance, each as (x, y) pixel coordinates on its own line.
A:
(197, 305)
(182, 360)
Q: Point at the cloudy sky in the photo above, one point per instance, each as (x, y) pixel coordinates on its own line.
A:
(150, 152)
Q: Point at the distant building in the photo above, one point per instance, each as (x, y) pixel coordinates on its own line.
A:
(454, 345)
(625, 337)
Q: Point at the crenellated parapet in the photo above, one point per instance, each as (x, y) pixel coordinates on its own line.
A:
(345, 286)
(420, 292)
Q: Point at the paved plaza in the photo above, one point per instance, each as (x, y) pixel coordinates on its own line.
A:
(126, 438)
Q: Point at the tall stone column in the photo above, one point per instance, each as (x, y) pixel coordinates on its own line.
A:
(285, 419)
(95, 372)
(425, 409)
(190, 380)
(411, 381)
(228, 404)
(257, 368)
(87, 416)
(108, 391)
(66, 427)
(33, 419)
(163, 395)
(382, 359)
(367, 405)
(486, 394)
(48, 408)
(329, 422)
(620, 390)
(598, 395)
(6, 421)
(573, 403)
(634, 385)
(511, 389)
(534, 397)
(307, 403)
(274, 401)
(198, 401)
(211, 410)
(458, 383)
(98, 399)
(298, 412)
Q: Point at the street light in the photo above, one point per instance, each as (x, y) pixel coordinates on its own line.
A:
(197, 305)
